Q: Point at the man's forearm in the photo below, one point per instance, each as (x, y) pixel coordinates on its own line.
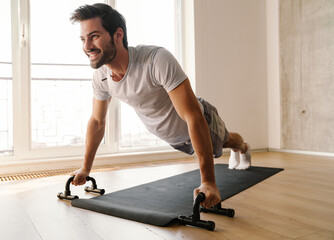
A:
(188, 108)
(94, 136)
(201, 141)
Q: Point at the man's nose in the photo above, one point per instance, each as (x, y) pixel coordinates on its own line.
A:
(87, 45)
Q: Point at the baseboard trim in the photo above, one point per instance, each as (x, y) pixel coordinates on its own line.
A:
(325, 154)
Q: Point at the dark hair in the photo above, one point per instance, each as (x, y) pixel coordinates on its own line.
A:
(111, 19)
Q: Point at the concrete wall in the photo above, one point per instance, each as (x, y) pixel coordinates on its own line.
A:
(231, 64)
(307, 74)
(268, 67)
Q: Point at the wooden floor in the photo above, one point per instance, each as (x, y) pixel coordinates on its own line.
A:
(297, 203)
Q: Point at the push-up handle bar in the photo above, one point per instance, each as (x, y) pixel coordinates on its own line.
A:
(194, 219)
(217, 209)
(67, 194)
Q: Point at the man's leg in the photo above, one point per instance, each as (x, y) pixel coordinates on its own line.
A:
(240, 152)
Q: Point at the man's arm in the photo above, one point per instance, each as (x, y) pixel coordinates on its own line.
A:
(187, 106)
(94, 135)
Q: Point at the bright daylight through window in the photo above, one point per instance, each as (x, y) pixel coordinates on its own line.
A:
(6, 96)
(149, 22)
(61, 96)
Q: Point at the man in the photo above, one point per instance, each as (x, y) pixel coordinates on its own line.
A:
(150, 79)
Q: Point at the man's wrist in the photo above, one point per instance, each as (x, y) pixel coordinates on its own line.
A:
(87, 168)
(208, 172)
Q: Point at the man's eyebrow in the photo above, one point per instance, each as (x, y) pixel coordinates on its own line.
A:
(93, 32)
(96, 31)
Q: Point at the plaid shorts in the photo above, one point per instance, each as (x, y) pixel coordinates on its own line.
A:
(218, 131)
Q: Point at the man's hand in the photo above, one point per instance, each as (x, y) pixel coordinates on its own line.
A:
(212, 194)
(80, 176)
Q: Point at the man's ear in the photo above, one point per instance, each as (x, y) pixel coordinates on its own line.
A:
(118, 35)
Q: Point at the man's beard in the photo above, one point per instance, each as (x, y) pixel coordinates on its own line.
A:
(108, 55)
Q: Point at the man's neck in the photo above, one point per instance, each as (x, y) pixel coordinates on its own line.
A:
(119, 65)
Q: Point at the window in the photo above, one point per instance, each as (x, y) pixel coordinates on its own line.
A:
(6, 114)
(149, 22)
(46, 100)
(61, 98)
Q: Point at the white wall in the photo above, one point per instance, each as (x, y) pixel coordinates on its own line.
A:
(273, 78)
(231, 64)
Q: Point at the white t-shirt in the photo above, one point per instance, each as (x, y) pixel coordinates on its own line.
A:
(152, 73)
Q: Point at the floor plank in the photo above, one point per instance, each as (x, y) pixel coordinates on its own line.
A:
(15, 221)
(324, 235)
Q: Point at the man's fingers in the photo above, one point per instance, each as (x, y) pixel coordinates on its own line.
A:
(208, 200)
(78, 180)
(196, 192)
(212, 195)
(79, 177)
(74, 181)
(212, 201)
(81, 180)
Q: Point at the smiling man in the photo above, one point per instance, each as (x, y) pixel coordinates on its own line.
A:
(149, 79)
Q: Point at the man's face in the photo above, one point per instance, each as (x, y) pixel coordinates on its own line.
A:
(97, 43)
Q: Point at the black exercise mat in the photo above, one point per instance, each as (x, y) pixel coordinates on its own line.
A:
(160, 202)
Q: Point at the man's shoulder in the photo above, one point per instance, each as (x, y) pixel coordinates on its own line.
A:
(144, 52)
(145, 48)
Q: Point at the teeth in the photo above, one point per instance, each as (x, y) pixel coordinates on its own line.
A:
(92, 54)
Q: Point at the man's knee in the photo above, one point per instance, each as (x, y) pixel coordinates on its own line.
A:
(234, 141)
